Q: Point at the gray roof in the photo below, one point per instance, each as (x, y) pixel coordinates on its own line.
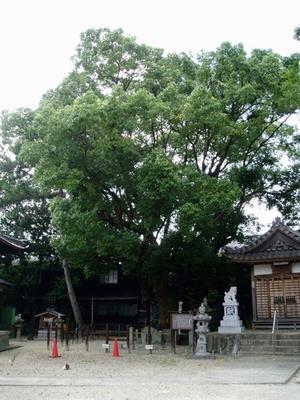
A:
(54, 313)
(5, 283)
(280, 243)
(9, 244)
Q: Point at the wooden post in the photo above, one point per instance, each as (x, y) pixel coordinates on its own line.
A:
(92, 312)
(67, 336)
(61, 333)
(128, 339)
(149, 337)
(72, 332)
(106, 337)
(163, 340)
(137, 336)
(87, 334)
(253, 297)
(191, 340)
(131, 340)
(48, 335)
(173, 340)
(77, 333)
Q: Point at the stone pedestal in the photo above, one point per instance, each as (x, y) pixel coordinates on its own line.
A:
(4, 340)
(201, 330)
(19, 326)
(231, 322)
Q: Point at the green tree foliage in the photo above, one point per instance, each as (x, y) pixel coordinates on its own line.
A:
(154, 156)
(24, 213)
(297, 33)
(24, 206)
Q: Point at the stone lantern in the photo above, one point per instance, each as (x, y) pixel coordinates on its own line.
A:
(201, 330)
(19, 323)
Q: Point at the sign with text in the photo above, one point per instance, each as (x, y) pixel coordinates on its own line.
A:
(48, 319)
(181, 321)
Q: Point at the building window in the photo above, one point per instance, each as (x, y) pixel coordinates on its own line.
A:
(111, 277)
(278, 300)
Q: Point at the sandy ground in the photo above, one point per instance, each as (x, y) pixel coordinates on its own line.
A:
(27, 372)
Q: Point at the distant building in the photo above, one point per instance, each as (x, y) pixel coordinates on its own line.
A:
(113, 298)
(8, 246)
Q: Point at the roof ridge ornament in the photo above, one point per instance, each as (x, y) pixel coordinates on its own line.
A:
(277, 221)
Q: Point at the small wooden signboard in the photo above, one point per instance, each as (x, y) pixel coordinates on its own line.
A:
(181, 321)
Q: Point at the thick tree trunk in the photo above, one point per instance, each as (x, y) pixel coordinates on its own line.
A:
(72, 297)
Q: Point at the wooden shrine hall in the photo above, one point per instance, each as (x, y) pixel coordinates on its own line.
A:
(274, 258)
(10, 245)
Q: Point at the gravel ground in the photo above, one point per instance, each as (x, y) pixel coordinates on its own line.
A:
(139, 375)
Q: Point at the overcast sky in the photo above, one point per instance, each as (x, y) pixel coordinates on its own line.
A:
(38, 37)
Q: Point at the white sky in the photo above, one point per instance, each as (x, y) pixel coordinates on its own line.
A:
(38, 37)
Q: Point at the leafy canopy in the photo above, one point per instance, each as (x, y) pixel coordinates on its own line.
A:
(146, 153)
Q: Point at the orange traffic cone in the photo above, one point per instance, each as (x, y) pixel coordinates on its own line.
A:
(54, 353)
(116, 349)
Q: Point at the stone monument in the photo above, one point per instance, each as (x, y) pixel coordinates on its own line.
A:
(231, 322)
(201, 330)
(19, 323)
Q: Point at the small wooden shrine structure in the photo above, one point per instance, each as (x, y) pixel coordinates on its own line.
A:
(49, 319)
(274, 258)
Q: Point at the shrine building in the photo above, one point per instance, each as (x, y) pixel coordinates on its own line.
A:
(9, 245)
(274, 259)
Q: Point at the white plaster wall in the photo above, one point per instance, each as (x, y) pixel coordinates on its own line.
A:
(262, 269)
(296, 268)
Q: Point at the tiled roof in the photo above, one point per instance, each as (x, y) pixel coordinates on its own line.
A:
(12, 243)
(279, 243)
(5, 283)
(51, 312)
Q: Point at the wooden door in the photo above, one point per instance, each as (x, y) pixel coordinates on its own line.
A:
(262, 298)
(280, 292)
(292, 297)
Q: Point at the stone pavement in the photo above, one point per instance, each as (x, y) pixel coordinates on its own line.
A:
(248, 370)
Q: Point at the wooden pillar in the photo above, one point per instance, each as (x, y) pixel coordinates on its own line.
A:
(253, 294)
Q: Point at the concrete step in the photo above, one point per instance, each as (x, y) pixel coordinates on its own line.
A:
(266, 343)
(270, 349)
(268, 353)
(269, 336)
(257, 342)
(281, 342)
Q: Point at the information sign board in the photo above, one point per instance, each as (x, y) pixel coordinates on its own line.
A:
(181, 321)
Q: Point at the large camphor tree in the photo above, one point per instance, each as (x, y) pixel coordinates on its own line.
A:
(150, 159)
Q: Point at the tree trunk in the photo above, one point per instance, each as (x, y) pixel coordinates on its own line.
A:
(72, 296)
